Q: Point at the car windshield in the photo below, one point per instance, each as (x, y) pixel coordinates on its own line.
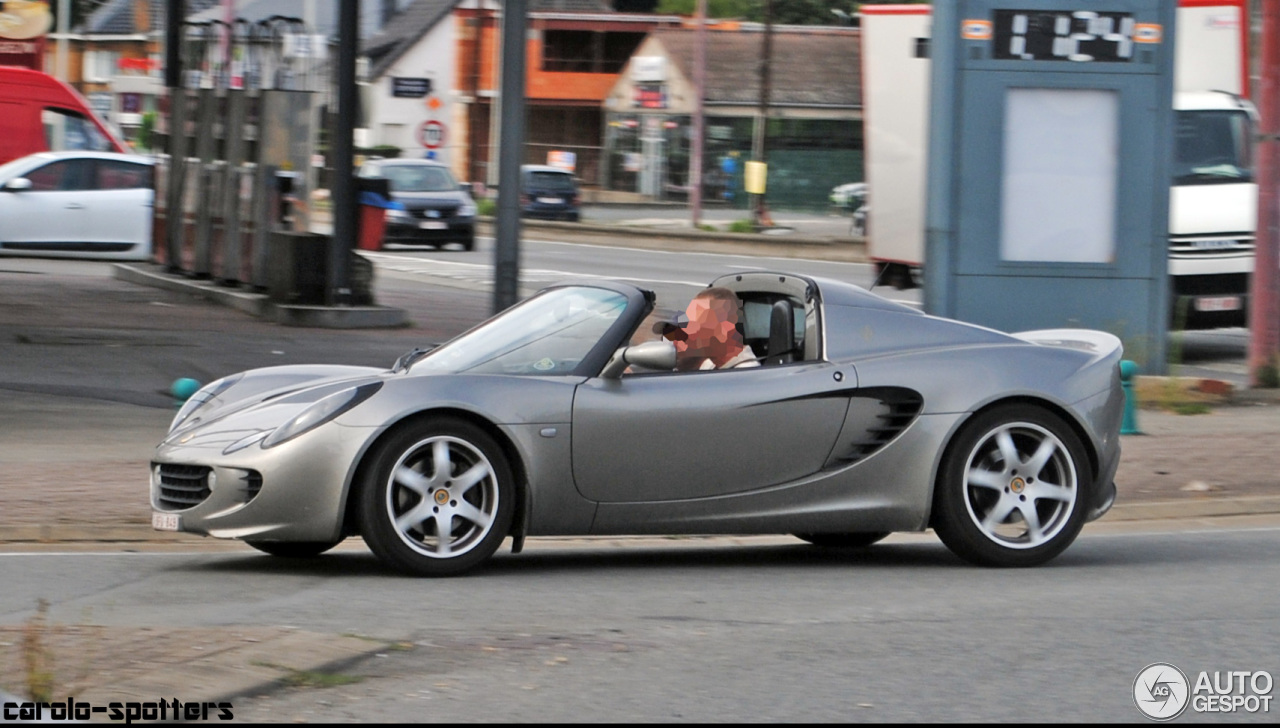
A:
(418, 178)
(547, 334)
(1212, 147)
(551, 181)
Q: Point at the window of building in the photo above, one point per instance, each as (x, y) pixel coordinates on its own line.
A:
(584, 51)
(100, 66)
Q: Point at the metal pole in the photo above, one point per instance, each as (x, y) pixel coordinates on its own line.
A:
(338, 290)
(495, 106)
(506, 251)
(64, 26)
(1264, 308)
(762, 117)
(699, 120)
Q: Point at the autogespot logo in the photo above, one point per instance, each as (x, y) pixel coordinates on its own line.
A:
(1160, 691)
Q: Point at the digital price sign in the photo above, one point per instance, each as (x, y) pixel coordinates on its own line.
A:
(1053, 35)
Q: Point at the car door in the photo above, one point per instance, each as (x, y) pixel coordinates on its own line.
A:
(51, 214)
(118, 206)
(673, 436)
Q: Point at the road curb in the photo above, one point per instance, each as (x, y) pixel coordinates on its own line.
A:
(843, 250)
(260, 305)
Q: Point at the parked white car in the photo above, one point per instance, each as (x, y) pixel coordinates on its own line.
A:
(77, 204)
(849, 196)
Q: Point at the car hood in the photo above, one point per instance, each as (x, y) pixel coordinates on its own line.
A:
(429, 199)
(268, 397)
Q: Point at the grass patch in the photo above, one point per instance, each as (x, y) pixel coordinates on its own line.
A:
(37, 658)
(1179, 395)
(742, 226)
(486, 207)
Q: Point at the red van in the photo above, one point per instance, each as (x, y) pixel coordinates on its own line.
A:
(39, 113)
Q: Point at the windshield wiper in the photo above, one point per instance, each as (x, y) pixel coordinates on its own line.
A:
(407, 359)
(1216, 176)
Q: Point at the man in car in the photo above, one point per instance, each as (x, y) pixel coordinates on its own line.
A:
(711, 339)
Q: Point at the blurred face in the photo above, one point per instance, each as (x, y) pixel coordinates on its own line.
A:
(710, 332)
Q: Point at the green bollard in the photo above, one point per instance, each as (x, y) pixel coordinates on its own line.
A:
(1129, 426)
(182, 389)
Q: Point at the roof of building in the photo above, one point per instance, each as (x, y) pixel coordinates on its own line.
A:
(796, 77)
(402, 32)
(569, 6)
(420, 16)
(116, 17)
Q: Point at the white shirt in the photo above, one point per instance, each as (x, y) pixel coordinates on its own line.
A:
(745, 358)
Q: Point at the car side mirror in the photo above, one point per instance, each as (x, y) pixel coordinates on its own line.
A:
(20, 184)
(656, 355)
(464, 187)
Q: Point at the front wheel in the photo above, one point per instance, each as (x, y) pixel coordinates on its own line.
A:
(1013, 488)
(843, 540)
(438, 499)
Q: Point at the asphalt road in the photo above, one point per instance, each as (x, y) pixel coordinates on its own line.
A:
(724, 631)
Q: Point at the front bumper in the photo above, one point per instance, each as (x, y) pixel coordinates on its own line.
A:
(412, 232)
(300, 497)
(545, 211)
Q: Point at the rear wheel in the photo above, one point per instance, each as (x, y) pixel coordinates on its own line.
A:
(1013, 488)
(439, 498)
(843, 540)
(293, 549)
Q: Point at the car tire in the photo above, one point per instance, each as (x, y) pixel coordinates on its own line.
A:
(469, 244)
(843, 540)
(293, 549)
(431, 476)
(1013, 489)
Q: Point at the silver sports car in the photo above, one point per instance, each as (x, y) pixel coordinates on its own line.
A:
(555, 417)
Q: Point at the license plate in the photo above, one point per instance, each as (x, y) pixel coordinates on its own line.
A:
(165, 521)
(550, 200)
(432, 225)
(1218, 303)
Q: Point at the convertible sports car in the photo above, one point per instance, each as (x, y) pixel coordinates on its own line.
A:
(865, 417)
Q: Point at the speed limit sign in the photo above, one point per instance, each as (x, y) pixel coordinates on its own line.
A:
(431, 134)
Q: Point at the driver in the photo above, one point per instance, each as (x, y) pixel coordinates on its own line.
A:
(711, 338)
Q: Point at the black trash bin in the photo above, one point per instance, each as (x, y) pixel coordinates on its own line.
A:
(297, 266)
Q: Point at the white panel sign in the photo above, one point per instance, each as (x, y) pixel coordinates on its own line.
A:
(1060, 164)
(648, 68)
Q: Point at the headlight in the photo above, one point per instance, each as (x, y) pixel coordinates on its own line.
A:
(321, 412)
(394, 214)
(467, 210)
(201, 398)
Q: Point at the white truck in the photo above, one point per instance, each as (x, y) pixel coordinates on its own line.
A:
(1213, 198)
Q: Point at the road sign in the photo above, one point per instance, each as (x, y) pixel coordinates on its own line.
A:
(431, 134)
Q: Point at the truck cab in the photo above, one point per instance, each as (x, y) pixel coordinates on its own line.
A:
(1212, 210)
(39, 113)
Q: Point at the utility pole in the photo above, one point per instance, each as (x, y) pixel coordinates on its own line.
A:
(762, 116)
(1264, 306)
(699, 119)
(338, 288)
(506, 249)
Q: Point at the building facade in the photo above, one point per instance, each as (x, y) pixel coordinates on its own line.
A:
(812, 130)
